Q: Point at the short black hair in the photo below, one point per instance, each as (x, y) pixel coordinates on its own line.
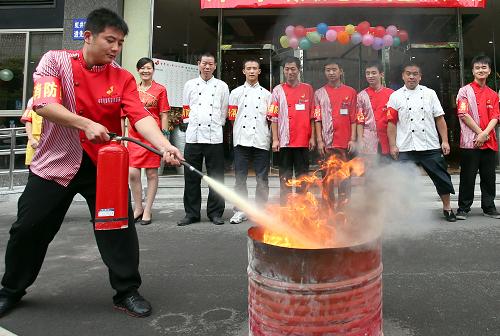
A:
(375, 64)
(250, 59)
(98, 20)
(411, 64)
(207, 54)
(143, 61)
(331, 61)
(481, 59)
(291, 59)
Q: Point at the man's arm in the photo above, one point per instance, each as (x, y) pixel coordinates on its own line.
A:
(391, 134)
(276, 141)
(319, 138)
(351, 145)
(443, 133)
(312, 139)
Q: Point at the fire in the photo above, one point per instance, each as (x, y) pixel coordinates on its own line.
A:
(312, 215)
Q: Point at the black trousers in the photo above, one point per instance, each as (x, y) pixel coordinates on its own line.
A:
(292, 159)
(472, 161)
(214, 161)
(434, 165)
(344, 187)
(41, 211)
(260, 157)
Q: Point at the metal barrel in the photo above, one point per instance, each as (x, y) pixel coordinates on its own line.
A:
(306, 292)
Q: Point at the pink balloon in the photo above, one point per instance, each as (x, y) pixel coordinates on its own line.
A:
(388, 40)
(392, 30)
(293, 42)
(331, 35)
(290, 31)
(367, 40)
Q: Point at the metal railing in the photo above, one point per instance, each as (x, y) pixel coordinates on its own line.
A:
(11, 135)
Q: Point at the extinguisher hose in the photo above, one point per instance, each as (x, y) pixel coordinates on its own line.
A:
(115, 136)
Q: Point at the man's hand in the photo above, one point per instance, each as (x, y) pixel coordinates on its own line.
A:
(395, 152)
(96, 133)
(481, 139)
(312, 144)
(321, 148)
(172, 155)
(445, 146)
(351, 146)
(33, 143)
(276, 145)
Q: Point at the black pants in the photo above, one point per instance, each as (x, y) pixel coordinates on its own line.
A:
(41, 211)
(292, 159)
(472, 161)
(214, 161)
(344, 187)
(434, 165)
(260, 157)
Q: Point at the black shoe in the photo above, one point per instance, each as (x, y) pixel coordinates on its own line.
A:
(146, 222)
(217, 220)
(138, 218)
(187, 220)
(134, 305)
(449, 215)
(461, 215)
(492, 213)
(6, 305)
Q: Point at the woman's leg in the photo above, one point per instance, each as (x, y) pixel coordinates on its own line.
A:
(152, 177)
(136, 188)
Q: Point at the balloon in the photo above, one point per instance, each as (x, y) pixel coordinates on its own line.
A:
(371, 30)
(356, 38)
(304, 44)
(331, 35)
(290, 31)
(284, 41)
(314, 37)
(379, 31)
(343, 37)
(378, 43)
(367, 40)
(392, 30)
(322, 28)
(6, 75)
(396, 42)
(388, 40)
(300, 31)
(363, 27)
(293, 42)
(403, 35)
(350, 29)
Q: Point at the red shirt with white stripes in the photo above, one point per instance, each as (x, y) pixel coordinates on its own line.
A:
(99, 94)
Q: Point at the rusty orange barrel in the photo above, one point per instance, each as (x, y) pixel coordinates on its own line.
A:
(306, 292)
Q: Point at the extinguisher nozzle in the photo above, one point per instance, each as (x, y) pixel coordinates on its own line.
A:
(191, 168)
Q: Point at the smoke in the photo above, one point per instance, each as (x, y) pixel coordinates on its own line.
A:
(388, 201)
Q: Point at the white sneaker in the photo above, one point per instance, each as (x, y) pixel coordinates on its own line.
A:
(238, 217)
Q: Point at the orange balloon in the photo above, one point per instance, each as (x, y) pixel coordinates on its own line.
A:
(343, 37)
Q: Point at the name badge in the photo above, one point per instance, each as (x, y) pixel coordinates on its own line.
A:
(300, 107)
(344, 111)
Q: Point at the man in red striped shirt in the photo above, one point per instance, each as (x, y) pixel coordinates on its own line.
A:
(81, 95)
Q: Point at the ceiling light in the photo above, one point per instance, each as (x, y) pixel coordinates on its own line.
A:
(490, 42)
(185, 45)
(261, 58)
(159, 27)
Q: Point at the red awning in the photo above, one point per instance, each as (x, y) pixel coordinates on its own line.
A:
(340, 3)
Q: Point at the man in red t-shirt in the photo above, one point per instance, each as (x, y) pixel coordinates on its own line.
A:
(80, 95)
(478, 112)
(335, 115)
(291, 115)
(372, 114)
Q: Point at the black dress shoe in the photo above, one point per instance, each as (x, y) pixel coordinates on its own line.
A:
(217, 220)
(134, 305)
(187, 220)
(138, 218)
(6, 305)
(146, 222)
(449, 215)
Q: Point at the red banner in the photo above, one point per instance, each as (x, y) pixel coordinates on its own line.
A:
(340, 3)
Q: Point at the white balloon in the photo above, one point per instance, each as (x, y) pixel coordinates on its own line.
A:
(6, 75)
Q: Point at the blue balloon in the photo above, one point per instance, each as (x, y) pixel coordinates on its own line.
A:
(356, 38)
(322, 28)
(305, 44)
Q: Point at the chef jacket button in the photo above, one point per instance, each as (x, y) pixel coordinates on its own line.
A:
(423, 130)
(421, 108)
(210, 104)
(413, 130)
(199, 124)
(409, 109)
(213, 95)
(254, 128)
(208, 125)
(422, 119)
(256, 107)
(210, 114)
(245, 106)
(199, 104)
(407, 98)
(243, 126)
(199, 94)
(258, 98)
(411, 119)
(255, 117)
(246, 96)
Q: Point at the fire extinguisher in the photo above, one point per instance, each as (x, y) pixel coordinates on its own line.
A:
(111, 210)
(111, 204)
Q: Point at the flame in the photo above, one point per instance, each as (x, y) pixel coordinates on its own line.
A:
(312, 218)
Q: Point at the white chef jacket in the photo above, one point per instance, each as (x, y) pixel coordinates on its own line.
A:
(207, 103)
(250, 104)
(416, 127)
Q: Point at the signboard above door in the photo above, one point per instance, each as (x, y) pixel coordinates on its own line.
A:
(340, 3)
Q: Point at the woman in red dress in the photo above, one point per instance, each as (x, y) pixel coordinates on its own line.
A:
(154, 98)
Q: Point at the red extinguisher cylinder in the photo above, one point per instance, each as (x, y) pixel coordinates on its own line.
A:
(111, 211)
